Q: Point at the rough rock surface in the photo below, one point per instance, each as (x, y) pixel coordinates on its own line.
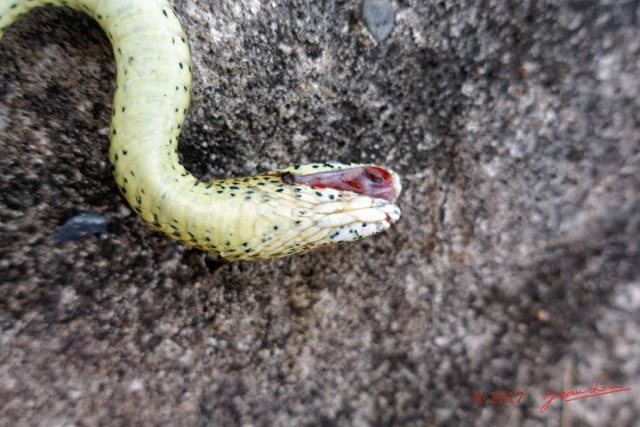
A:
(516, 127)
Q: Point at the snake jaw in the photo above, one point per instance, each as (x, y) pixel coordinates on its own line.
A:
(329, 229)
(370, 180)
(352, 224)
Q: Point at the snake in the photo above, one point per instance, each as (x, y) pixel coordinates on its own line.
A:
(269, 215)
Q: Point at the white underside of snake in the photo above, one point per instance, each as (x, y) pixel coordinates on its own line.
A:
(274, 214)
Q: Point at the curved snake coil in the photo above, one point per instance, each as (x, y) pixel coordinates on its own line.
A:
(273, 214)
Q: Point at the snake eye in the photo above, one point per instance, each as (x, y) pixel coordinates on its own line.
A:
(288, 178)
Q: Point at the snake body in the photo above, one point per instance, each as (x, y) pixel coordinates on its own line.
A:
(273, 214)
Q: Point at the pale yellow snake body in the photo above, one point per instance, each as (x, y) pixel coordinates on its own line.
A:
(269, 215)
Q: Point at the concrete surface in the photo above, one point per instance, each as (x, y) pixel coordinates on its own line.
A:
(516, 128)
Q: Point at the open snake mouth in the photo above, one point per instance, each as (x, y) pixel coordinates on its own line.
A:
(372, 181)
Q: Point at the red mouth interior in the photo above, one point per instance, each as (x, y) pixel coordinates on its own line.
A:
(371, 181)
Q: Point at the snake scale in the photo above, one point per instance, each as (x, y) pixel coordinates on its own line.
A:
(269, 215)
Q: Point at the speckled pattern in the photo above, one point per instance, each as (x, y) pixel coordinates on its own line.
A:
(257, 217)
(515, 127)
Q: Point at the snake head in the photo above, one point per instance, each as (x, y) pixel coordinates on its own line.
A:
(323, 204)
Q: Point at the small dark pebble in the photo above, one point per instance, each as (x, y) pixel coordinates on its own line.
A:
(379, 17)
(82, 224)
